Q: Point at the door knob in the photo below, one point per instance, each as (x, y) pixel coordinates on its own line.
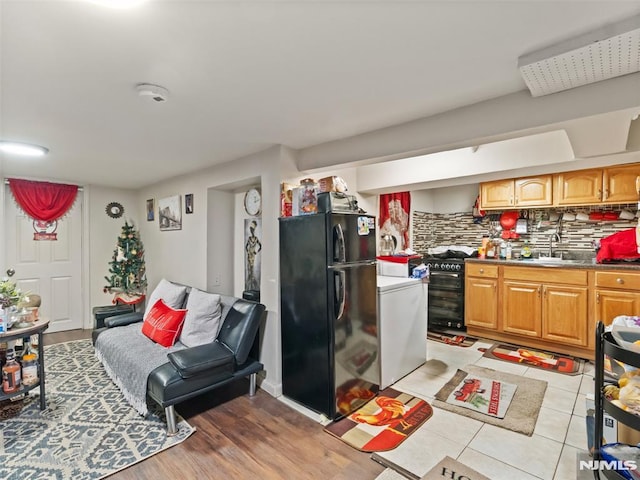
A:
(11, 272)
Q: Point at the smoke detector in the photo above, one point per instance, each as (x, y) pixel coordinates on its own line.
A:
(153, 92)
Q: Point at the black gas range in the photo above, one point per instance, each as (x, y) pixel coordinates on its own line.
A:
(446, 293)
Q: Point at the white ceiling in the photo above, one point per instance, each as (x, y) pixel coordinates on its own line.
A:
(244, 76)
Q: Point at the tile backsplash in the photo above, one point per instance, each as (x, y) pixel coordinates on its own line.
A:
(435, 229)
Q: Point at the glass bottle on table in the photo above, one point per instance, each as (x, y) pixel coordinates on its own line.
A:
(11, 378)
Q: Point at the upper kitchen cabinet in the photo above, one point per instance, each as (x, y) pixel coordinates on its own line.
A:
(579, 187)
(620, 184)
(519, 192)
(615, 184)
(533, 191)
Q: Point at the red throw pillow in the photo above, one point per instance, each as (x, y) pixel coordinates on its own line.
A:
(163, 324)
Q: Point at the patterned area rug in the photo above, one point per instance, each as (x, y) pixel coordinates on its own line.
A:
(536, 358)
(88, 430)
(383, 423)
(461, 340)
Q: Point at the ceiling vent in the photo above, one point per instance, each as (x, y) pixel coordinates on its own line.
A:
(153, 92)
(610, 51)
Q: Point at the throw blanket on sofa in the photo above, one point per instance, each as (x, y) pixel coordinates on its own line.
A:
(128, 358)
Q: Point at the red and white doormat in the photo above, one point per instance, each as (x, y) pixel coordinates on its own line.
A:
(483, 395)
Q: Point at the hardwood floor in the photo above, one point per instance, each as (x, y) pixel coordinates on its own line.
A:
(239, 437)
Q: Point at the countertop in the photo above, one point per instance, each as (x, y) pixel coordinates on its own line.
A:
(576, 264)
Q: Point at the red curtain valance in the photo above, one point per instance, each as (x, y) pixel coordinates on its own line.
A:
(43, 200)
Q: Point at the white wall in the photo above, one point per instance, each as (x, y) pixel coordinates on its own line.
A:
(186, 256)
(454, 199)
(102, 238)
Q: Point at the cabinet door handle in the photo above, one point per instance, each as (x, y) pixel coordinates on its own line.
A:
(600, 194)
(516, 199)
(598, 297)
(620, 280)
(606, 194)
(482, 270)
(539, 290)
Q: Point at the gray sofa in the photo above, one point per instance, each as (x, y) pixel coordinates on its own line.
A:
(145, 370)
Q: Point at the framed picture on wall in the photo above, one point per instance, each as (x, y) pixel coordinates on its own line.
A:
(170, 213)
(150, 210)
(188, 203)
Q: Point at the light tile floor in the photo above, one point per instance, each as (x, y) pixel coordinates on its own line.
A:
(549, 454)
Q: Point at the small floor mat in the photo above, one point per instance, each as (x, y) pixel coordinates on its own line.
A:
(461, 340)
(536, 358)
(449, 468)
(481, 394)
(383, 423)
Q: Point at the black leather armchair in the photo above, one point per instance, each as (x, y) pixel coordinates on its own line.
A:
(196, 370)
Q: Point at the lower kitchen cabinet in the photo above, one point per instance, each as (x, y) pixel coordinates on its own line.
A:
(540, 307)
(521, 308)
(564, 314)
(481, 298)
(616, 293)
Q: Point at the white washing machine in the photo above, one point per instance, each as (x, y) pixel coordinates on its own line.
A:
(402, 321)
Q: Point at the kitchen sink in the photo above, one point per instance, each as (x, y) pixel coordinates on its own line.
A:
(556, 261)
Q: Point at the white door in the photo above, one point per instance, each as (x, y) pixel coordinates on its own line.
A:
(52, 269)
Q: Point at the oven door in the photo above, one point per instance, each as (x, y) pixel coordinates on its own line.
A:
(446, 300)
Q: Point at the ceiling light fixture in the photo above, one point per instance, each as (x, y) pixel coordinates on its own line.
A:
(608, 52)
(118, 3)
(24, 149)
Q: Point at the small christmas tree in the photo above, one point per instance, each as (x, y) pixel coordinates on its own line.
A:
(127, 264)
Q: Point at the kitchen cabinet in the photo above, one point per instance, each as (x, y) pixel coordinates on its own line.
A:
(611, 185)
(616, 293)
(481, 299)
(519, 192)
(616, 184)
(539, 307)
(521, 308)
(579, 187)
(554, 309)
(619, 183)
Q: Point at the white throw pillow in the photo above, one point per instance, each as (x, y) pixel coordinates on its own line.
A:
(171, 294)
(204, 318)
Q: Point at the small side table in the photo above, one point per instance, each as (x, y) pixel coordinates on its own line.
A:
(38, 327)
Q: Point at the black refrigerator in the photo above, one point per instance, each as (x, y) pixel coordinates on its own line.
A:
(330, 358)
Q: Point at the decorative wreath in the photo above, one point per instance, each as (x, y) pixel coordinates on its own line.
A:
(114, 210)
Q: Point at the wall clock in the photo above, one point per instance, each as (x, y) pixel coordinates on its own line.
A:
(253, 202)
(115, 210)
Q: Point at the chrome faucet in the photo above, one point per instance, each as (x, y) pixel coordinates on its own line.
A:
(552, 237)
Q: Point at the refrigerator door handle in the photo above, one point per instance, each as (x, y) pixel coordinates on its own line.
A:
(339, 252)
(339, 281)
